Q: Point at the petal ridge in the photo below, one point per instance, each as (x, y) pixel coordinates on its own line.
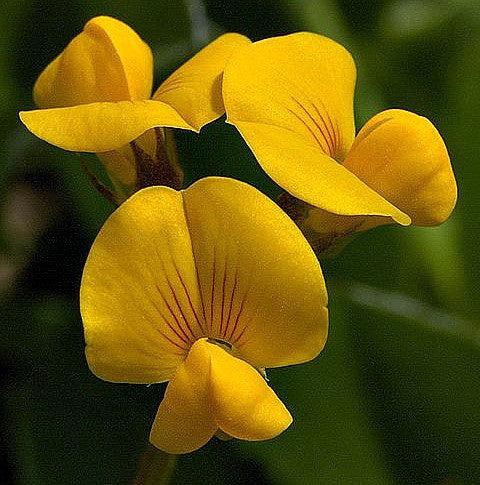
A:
(132, 53)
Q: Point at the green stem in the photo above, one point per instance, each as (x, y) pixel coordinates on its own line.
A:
(102, 189)
(421, 313)
(156, 467)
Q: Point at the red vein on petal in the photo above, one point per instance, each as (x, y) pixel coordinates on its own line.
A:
(237, 318)
(222, 330)
(336, 130)
(168, 85)
(212, 295)
(232, 298)
(169, 325)
(183, 349)
(200, 289)
(318, 140)
(180, 309)
(173, 315)
(199, 283)
(336, 133)
(236, 342)
(187, 294)
(326, 139)
(328, 127)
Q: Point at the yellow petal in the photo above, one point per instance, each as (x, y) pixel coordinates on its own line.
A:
(194, 89)
(291, 98)
(301, 82)
(307, 173)
(100, 127)
(402, 157)
(185, 420)
(106, 62)
(218, 260)
(212, 390)
(244, 406)
(262, 287)
(139, 295)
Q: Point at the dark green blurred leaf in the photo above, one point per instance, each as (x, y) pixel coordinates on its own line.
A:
(65, 425)
(439, 252)
(321, 17)
(10, 22)
(424, 392)
(463, 126)
(256, 20)
(220, 150)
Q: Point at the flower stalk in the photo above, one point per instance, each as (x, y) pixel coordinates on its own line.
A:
(156, 467)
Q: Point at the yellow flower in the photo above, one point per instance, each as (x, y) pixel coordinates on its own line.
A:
(204, 288)
(95, 96)
(291, 98)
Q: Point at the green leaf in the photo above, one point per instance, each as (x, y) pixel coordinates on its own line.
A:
(423, 392)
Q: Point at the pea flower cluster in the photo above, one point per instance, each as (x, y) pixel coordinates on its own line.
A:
(295, 111)
(96, 97)
(207, 286)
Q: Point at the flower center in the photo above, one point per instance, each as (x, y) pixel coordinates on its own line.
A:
(221, 343)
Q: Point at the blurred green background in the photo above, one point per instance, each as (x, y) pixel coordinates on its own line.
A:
(394, 397)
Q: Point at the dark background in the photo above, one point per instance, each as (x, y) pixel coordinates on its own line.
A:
(394, 398)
